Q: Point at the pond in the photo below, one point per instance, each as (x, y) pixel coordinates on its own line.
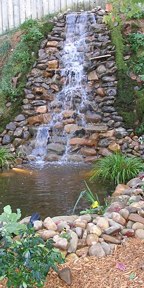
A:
(50, 190)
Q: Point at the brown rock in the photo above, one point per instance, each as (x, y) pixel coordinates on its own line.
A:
(136, 218)
(41, 109)
(114, 147)
(49, 224)
(39, 119)
(38, 90)
(82, 252)
(72, 257)
(111, 239)
(92, 76)
(52, 43)
(119, 190)
(118, 218)
(68, 113)
(47, 234)
(91, 239)
(71, 128)
(53, 64)
(100, 92)
(88, 151)
(81, 142)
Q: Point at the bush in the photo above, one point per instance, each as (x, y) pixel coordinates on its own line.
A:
(117, 168)
(5, 157)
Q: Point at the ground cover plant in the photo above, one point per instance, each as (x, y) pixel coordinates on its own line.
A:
(117, 168)
(25, 260)
(5, 157)
(18, 64)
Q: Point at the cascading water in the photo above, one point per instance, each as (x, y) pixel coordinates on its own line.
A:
(73, 95)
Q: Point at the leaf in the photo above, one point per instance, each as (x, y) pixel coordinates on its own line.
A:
(121, 266)
(7, 209)
(132, 276)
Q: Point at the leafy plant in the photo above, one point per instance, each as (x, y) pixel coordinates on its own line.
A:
(117, 168)
(5, 157)
(9, 223)
(25, 263)
(137, 41)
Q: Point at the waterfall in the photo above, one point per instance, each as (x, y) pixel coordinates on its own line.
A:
(73, 95)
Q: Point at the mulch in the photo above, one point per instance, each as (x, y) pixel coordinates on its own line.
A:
(91, 272)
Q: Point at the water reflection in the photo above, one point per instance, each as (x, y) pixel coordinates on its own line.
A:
(50, 190)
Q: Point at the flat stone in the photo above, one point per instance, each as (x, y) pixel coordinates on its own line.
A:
(69, 219)
(111, 239)
(65, 275)
(41, 109)
(49, 224)
(91, 239)
(96, 128)
(81, 142)
(104, 152)
(113, 230)
(88, 151)
(136, 218)
(56, 147)
(139, 233)
(101, 69)
(97, 250)
(19, 118)
(53, 64)
(39, 119)
(135, 182)
(92, 76)
(52, 43)
(92, 117)
(118, 218)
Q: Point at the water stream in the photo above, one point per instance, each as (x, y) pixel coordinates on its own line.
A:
(73, 95)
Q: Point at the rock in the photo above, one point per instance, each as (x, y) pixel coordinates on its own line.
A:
(101, 69)
(18, 132)
(91, 239)
(118, 218)
(41, 109)
(129, 224)
(94, 229)
(79, 231)
(120, 189)
(60, 243)
(49, 224)
(38, 224)
(104, 152)
(137, 205)
(80, 223)
(92, 76)
(106, 247)
(73, 242)
(11, 126)
(137, 225)
(19, 118)
(127, 232)
(53, 64)
(97, 250)
(39, 119)
(113, 230)
(96, 128)
(92, 117)
(65, 275)
(56, 147)
(103, 223)
(114, 147)
(100, 92)
(111, 239)
(47, 234)
(124, 213)
(52, 43)
(82, 252)
(136, 218)
(69, 219)
(139, 233)
(86, 217)
(135, 182)
(6, 139)
(72, 257)
(81, 142)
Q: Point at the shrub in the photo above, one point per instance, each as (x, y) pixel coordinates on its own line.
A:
(117, 168)
(5, 157)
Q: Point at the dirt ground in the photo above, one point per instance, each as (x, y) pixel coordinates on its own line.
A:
(123, 269)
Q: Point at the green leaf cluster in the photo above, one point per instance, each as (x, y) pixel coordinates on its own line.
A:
(5, 157)
(9, 223)
(26, 262)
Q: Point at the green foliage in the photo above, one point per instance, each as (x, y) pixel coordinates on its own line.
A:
(10, 223)
(137, 41)
(117, 168)
(4, 47)
(5, 157)
(26, 262)
(140, 129)
(130, 8)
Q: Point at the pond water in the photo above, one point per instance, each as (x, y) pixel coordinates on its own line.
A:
(50, 190)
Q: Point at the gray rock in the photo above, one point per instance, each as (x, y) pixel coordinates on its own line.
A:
(65, 275)
(18, 132)
(56, 147)
(97, 250)
(73, 242)
(11, 126)
(106, 247)
(19, 118)
(6, 139)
